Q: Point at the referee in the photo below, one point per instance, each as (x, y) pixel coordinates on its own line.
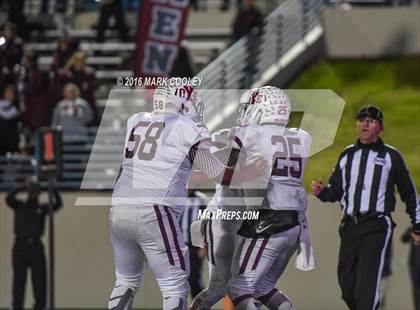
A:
(363, 181)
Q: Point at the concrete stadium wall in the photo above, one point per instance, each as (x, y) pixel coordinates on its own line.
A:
(372, 32)
(85, 270)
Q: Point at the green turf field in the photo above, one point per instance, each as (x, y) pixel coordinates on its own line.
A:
(392, 84)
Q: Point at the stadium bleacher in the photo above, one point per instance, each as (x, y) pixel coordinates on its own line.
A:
(110, 60)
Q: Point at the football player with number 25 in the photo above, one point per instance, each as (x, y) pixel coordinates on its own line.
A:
(282, 227)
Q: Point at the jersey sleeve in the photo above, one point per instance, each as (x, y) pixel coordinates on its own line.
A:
(193, 134)
(185, 135)
(306, 141)
(248, 140)
(226, 146)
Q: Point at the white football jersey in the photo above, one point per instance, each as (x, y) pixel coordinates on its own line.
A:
(287, 151)
(228, 197)
(156, 166)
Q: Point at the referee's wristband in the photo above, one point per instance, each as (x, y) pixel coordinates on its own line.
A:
(416, 229)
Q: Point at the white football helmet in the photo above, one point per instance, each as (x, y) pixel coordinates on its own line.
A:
(272, 105)
(247, 99)
(178, 99)
(169, 99)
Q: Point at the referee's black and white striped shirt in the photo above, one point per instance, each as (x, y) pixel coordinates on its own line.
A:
(364, 181)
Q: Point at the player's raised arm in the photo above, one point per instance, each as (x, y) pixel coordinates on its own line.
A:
(212, 168)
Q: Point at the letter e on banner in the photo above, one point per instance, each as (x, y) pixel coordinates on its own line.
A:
(160, 31)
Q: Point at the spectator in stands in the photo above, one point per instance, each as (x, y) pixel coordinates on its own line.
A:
(11, 52)
(184, 64)
(111, 8)
(65, 50)
(56, 86)
(58, 74)
(17, 16)
(28, 250)
(73, 114)
(79, 73)
(12, 48)
(37, 111)
(248, 19)
(9, 117)
(414, 263)
(249, 22)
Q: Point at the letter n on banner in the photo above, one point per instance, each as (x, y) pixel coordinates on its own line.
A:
(160, 31)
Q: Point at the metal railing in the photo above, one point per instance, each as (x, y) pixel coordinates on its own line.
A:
(243, 63)
(15, 168)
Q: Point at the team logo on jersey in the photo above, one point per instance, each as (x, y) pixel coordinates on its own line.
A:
(380, 161)
(260, 228)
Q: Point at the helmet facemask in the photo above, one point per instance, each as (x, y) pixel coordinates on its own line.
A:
(253, 115)
(194, 108)
(247, 99)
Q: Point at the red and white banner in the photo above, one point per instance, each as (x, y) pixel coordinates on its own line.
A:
(160, 31)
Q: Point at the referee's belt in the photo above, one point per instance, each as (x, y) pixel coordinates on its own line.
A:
(362, 217)
(28, 240)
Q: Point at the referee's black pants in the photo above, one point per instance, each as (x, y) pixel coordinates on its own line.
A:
(361, 260)
(28, 253)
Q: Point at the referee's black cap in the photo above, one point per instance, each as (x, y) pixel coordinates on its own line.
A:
(370, 111)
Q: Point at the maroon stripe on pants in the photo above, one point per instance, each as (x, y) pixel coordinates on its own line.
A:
(164, 235)
(260, 251)
(247, 256)
(265, 298)
(213, 260)
(240, 299)
(174, 234)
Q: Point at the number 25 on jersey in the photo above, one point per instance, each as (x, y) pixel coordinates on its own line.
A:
(280, 159)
